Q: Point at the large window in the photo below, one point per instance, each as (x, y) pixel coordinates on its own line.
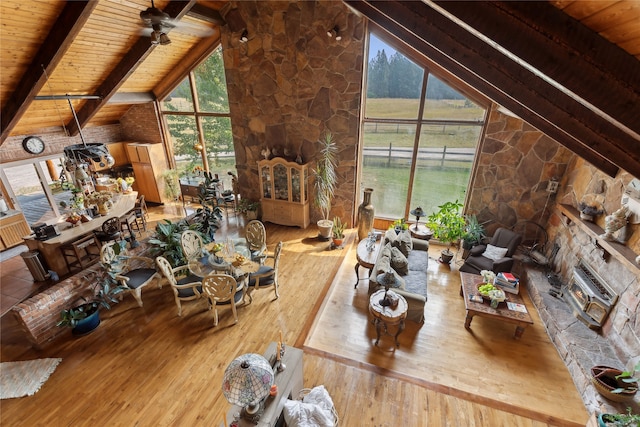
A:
(420, 135)
(197, 116)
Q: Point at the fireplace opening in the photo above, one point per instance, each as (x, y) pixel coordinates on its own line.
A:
(589, 296)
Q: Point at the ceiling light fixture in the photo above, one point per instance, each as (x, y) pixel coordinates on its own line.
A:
(244, 37)
(335, 32)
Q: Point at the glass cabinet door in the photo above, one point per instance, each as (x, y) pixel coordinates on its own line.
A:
(280, 182)
(266, 182)
(295, 185)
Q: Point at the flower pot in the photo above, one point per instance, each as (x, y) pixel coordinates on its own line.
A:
(605, 381)
(88, 324)
(337, 242)
(446, 257)
(325, 229)
(103, 209)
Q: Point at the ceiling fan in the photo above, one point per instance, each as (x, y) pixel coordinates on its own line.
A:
(159, 23)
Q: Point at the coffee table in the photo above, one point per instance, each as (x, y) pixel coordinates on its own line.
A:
(365, 258)
(469, 286)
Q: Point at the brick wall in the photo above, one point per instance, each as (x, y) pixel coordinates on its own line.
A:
(142, 123)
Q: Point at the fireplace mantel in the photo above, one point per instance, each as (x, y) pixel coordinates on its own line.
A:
(621, 252)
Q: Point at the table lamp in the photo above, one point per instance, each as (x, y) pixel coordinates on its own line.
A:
(247, 382)
(418, 213)
(388, 280)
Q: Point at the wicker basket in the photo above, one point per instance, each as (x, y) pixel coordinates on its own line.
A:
(306, 391)
(604, 380)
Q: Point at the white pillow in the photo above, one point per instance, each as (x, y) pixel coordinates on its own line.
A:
(495, 252)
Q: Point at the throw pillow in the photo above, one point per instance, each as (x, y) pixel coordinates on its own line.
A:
(383, 264)
(390, 236)
(495, 252)
(404, 242)
(399, 262)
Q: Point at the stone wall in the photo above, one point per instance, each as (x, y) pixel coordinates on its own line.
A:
(515, 164)
(290, 83)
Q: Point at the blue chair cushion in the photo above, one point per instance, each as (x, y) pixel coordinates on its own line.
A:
(139, 276)
(264, 281)
(188, 292)
(237, 297)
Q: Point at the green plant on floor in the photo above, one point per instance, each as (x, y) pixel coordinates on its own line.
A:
(105, 293)
(166, 241)
(325, 175)
(473, 232)
(209, 215)
(448, 224)
(247, 205)
(621, 420)
(338, 228)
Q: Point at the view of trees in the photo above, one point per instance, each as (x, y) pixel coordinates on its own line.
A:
(383, 85)
(213, 112)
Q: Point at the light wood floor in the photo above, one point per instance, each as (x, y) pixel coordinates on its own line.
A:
(148, 367)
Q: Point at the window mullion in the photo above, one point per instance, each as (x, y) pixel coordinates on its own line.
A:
(416, 142)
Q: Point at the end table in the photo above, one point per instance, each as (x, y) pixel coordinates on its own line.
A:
(366, 259)
(388, 316)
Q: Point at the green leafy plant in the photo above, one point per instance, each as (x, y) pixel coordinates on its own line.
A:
(104, 295)
(171, 179)
(247, 205)
(473, 233)
(166, 240)
(209, 215)
(325, 175)
(621, 420)
(448, 224)
(338, 228)
(399, 224)
(628, 377)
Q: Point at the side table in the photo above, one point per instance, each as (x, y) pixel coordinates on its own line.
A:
(419, 231)
(365, 258)
(388, 316)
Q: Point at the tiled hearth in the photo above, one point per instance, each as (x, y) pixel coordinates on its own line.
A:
(580, 347)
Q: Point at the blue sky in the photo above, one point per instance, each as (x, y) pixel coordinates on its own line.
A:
(375, 44)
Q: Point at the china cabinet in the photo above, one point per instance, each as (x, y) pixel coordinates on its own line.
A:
(284, 192)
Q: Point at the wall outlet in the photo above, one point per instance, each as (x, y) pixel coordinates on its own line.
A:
(552, 186)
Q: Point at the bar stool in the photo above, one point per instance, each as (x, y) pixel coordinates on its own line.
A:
(81, 253)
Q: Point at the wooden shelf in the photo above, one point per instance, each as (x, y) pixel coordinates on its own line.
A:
(619, 251)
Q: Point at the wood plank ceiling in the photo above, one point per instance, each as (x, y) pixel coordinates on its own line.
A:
(589, 53)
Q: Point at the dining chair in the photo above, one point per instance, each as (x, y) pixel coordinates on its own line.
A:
(185, 286)
(111, 230)
(256, 237)
(266, 275)
(133, 272)
(192, 245)
(141, 211)
(222, 289)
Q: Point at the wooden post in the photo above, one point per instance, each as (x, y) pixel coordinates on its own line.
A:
(53, 173)
(389, 157)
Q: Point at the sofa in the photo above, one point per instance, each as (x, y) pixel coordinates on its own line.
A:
(412, 278)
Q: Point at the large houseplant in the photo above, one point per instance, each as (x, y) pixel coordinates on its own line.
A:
(85, 317)
(448, 226)
(473, 234)
(326, 177)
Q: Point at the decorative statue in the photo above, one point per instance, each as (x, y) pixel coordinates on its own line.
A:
(614, 222)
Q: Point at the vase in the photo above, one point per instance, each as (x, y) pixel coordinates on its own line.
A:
(103, 209)
(365, 215)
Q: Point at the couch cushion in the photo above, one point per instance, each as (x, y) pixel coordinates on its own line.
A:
(404, 242)
(396, 282)
(382, 264)
(399, 262)
(390, 236)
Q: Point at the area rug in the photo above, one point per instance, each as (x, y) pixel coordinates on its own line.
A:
(18, 379)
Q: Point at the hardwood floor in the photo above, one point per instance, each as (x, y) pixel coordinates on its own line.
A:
(147, 366)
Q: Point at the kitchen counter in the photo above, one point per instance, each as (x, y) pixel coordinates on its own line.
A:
(50, 248)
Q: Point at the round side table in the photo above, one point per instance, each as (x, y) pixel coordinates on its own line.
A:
(365, 258)
(420, 232)
(388, 316)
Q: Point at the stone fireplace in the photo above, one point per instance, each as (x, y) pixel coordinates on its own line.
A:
(589, 296)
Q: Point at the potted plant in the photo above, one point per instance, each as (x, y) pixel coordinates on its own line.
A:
(338, 231)
(85, 318)
(166, 241)
(619, 420)
(473, 234)
(448, 226)
(249, 208)
(325, 183)
(399, 225)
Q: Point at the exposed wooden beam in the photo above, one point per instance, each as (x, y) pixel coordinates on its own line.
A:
(562, 48)
(204, 13)
(503, 80)
(131, 98)
(65, 29)
(136, 55)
